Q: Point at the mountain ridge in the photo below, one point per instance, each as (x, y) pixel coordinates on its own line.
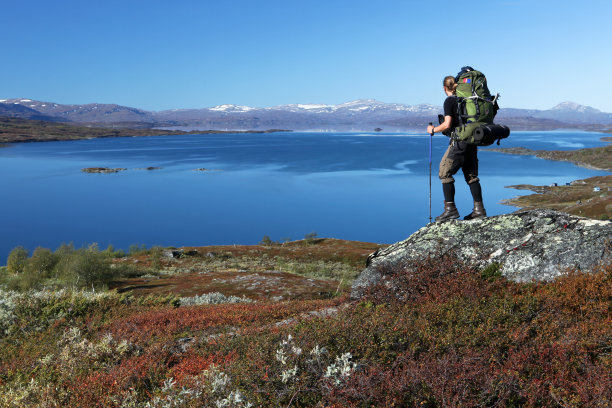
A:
(359, 113)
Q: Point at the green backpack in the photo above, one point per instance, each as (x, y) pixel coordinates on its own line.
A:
(477, 108)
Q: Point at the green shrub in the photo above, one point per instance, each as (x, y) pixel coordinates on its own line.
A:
(491, 272)
(123, 270)
(311, 238)
(111, 252)
(266, 240)
(69, 267)
(85, 267)
(29, 279)
(64, 250)
(42, 262)
(136, 249)
(156, 255)
(16, 260)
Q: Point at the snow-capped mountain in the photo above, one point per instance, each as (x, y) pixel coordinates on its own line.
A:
(231, 108)
(16, 110)
(360, 114)
(92, 112)
(574, 107)
(358, 106)
(566, 112)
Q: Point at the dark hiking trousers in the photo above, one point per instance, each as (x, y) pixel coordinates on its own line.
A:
(459, 155)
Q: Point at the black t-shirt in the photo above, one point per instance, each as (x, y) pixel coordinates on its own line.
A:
(450, 109)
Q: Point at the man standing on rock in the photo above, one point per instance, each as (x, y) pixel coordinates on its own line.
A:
(459, 155)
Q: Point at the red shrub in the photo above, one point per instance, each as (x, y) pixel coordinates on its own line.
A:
(556, 374)
(413, 380)
(141, 373)
(192, 364)
(197, 318)
(435, 279)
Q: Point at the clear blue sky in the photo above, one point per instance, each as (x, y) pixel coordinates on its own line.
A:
(159, 55)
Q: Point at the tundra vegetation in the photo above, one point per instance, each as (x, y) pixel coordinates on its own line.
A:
(444, 334)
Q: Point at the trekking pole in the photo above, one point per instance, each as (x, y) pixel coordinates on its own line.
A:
(430, 143)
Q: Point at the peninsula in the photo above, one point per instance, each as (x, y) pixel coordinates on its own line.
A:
(588, 198)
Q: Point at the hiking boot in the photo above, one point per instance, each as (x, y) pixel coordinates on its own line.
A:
(450, 212)
(478, 212)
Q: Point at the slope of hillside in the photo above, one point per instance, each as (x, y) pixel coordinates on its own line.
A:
(457, 336)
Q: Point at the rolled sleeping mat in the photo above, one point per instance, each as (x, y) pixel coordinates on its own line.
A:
(488, 134)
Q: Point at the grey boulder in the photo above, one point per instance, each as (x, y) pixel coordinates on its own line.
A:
(529, 245)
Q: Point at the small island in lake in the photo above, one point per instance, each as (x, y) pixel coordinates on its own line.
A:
(102, 170)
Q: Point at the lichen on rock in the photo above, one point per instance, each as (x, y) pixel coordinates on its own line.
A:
(529, 245)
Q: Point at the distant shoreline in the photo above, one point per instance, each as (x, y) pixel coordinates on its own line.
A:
(588, 197)
(594, 158)
(15, 130)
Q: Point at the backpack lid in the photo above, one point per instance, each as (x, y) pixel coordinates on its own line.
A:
(464, 70)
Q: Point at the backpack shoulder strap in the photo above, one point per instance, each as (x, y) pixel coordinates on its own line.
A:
(461, 111)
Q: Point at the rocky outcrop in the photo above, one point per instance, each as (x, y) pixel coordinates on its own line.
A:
(528, 245)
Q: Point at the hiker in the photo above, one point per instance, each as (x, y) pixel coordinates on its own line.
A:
(459, 155)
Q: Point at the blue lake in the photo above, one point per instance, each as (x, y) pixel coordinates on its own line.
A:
(356, 186)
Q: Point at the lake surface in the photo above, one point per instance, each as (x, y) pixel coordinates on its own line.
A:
(356, 186)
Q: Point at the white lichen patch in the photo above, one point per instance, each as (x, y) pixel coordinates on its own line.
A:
(496, 253)
(469, 252)
(592, 223)
(517, 263)
(503, 223)
(212, 298)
